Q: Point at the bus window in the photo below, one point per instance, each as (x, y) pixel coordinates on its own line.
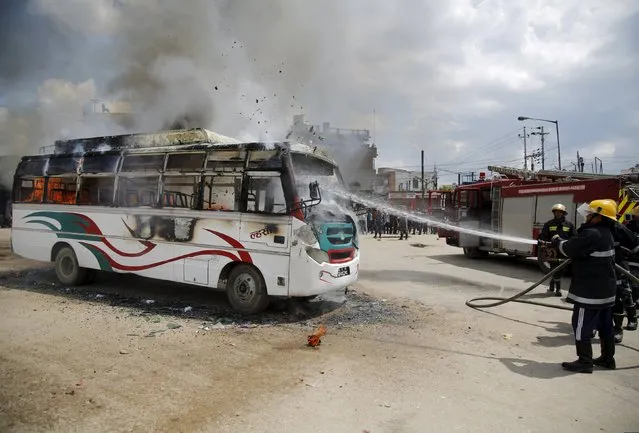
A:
(32, 167)
(265, 194)
(222, 192)
(61, 190)
(181, 191)
(96, 191)
(138, 191)
(29, 190)
(185, 162)
(100, 163)
(62, 165)
(143, 163)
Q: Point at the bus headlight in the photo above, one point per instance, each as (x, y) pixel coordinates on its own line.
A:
(318, 255)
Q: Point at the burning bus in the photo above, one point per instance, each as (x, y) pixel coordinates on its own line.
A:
(188, 206)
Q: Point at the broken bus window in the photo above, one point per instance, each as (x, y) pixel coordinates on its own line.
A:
(100, 163)
(61, 190)
(186, 161)
(143, 163)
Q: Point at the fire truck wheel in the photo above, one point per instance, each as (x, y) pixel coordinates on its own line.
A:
(475, 253)
(246, 290)
(67, 268)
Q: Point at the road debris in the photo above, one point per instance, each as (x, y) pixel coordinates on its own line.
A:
(123, 352)
(149, 301)
(173, 326)
(187, 309)
(315, 339)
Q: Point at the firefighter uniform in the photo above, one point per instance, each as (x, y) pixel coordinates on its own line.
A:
(593, 286)
(633, 259)
(565, 230)
(625, 241)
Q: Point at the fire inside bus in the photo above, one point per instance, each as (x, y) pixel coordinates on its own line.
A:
(188, 206)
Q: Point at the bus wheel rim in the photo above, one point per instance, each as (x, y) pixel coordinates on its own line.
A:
(66, 266)
(245, 288)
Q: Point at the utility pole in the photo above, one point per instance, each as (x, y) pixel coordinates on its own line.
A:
(543, 140)
(423, 186)
(525, 151)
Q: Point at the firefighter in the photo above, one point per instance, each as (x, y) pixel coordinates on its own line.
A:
(633, 224)
(593, 286)
(633, 259)
(625, 242)
(565, 230)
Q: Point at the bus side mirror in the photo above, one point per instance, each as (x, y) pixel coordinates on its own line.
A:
(314, 191)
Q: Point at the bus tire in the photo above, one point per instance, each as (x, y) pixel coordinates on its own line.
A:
(246, 290)
(67, 268)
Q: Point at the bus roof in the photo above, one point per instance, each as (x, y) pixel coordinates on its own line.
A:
(176, 140)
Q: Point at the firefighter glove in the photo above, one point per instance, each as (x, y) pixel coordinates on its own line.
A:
(555, 240)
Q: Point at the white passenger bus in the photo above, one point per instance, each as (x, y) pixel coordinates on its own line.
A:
(188, 206)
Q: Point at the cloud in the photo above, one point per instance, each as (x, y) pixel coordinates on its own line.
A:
(446, 76)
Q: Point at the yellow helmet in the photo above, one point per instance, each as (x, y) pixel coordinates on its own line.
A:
(559, 207)
(604, 207)
(635, 211)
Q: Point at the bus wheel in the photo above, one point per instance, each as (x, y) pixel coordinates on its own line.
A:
(67, 268)
(246, 290)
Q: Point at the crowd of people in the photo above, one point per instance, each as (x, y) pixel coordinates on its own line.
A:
(379, 223)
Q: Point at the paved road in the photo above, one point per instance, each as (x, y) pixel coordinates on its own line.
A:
(459, 370)
(73, 361)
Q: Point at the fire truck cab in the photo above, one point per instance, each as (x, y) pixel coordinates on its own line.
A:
(518, 203)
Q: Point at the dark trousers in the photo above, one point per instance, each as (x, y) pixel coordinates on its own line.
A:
(555, 281)
(378, 230)
(586, 320)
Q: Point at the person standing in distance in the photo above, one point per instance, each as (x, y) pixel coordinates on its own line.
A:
(594, 284)
(565, 230)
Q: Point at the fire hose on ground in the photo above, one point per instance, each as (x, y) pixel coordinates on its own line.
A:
(515, 298)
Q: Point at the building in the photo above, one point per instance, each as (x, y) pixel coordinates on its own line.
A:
(397, 183)
(350, 148)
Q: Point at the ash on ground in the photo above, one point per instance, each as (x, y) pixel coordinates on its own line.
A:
(155, 300)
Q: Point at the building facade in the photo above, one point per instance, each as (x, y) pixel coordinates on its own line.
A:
(350, 148)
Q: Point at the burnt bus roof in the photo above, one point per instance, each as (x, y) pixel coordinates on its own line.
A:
(173, 141)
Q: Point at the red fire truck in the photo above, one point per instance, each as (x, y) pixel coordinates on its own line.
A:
(518, 202)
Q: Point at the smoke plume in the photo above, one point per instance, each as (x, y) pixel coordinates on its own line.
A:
(239, 68)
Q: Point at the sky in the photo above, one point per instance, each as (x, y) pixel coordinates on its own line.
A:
(449, 77)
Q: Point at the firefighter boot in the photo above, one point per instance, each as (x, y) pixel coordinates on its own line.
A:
(584, 363)
(558, 288)
(617, 320)
(632, 318)
(607, 358)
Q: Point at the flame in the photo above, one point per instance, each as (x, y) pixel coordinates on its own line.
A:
(315, 340)
(56, 192)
